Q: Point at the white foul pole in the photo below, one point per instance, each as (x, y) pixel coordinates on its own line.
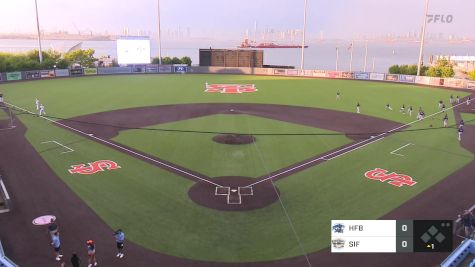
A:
(337, 57)
(39, 33)
(421, 49)
(303, 35)
(159, 35)
(365, 54)
(351, 56)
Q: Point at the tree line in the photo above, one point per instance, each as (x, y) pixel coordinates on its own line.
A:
(443, 68)
(53, 59)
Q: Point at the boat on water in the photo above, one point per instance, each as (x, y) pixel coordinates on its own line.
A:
(247, 44)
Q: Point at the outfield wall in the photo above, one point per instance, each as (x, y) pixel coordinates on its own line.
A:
(156, 69)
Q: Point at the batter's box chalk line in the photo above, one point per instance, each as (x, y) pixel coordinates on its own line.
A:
(233, 195)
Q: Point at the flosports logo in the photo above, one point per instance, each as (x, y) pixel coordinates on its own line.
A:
(394, 179)
(230, 88)
(94, 167)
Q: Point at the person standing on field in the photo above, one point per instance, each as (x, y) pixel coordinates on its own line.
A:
(358, 107)
(37, 103)
(119, 239)
(91, 253)
(56, 244)
(42, 110)
(75, 260)
(337, 95)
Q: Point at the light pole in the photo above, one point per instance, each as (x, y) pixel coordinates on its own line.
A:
(303, 35)
(337, 57)
(421, 49)
(159, 36)
(39, 33)
(365, 54)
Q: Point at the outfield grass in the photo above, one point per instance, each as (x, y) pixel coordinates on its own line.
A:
(152, 205)
(200, 153)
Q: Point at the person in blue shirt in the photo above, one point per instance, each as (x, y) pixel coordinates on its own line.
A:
(56, 243)
(119, 239)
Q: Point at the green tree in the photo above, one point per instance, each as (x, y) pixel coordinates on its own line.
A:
(166, 61)
(394, 69)
(84, 58)
(443, 69)
(176, 60)
(186, 60)
(471, 75)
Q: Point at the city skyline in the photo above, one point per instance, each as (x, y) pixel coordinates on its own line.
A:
(326, 18)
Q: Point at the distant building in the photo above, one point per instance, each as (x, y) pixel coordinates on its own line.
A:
(232, 58)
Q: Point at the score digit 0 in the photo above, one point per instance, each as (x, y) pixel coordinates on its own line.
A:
(404, 227)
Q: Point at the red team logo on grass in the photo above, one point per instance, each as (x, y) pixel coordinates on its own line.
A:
(230, 88)
(394, 178)
(94, 167)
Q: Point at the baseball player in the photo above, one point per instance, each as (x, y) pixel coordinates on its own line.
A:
(37, 102)
(446, 120)
(42, 110)
(461, 124)
(358, 107)
(451, 99)
(440, 104)
(443, 106)
(409, 110)
(338, 95)
(468, 101)
(460, 131)
(206, 85)
(119, 239)
(457, 99)
(403, 109)
(388, 107)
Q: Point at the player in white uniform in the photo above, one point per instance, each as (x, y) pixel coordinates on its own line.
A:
(42, 110)
(37, 102)
(358, 107)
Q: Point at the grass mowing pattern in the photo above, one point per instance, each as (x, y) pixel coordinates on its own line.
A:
(200, 153)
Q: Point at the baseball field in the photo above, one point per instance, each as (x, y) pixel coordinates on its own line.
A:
(215, 177)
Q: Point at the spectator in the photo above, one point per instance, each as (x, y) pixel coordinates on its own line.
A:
(91, 253)
(467, 221)
(119, 239)
(55, 242)
(75, 261)
(53, 227)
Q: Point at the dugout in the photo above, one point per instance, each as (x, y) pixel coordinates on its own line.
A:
(231, 58)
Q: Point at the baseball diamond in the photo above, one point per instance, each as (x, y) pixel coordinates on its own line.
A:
(198, 177)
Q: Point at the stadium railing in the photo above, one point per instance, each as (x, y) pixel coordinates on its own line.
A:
(4, 261)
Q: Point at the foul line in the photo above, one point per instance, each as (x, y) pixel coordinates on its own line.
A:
(120, 147)
(393, 152)
(4, 189)
(58, 143)
(355, 144)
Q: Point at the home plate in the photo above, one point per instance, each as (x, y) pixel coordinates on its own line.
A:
(234, 190)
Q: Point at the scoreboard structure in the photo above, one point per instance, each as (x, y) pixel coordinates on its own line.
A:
(231, 58)
(391, 236)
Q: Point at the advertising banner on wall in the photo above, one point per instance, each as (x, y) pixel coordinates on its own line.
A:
(61, 72)
(47, 73)
(165, 68)
(362, 75)
(333, 74)
(152, 68)
(32, 74)
(423, 80)
(470, 85)
(436, 81)
(90, 71)
(320, 73)
(392, 77)
(347, 75)
(76, 72)
(407, 78)
(279, 71)
(180, 69)
(376, 76)
(455, 83)
(292, 72)
(13, 76)
(307, 73)
(114, 70)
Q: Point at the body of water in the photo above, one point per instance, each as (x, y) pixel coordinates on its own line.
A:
(319, 55)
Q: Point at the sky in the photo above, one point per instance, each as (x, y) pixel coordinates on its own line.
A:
(230, 19)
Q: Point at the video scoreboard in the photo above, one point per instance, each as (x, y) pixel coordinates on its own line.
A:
(391, 236)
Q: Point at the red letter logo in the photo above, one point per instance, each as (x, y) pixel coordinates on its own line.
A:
(230, 88)
(394, 178)
(94, 167)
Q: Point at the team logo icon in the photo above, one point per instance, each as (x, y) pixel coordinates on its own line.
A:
(392, 178)
(230, 88)
(338, 243)
(94, 167)
(338, 228)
